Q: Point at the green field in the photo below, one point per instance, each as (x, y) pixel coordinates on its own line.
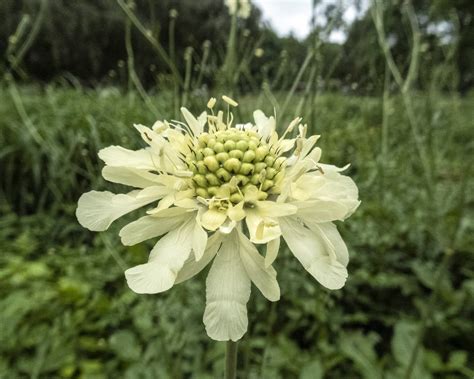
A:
(65, 308)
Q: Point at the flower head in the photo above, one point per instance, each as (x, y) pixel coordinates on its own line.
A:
(216, 189)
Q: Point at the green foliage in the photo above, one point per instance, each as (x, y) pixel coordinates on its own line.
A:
(65, 309)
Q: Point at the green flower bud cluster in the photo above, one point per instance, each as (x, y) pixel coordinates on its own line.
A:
(231, 162)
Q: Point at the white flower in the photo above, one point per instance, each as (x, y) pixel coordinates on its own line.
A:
(214, 190)
(242, 7)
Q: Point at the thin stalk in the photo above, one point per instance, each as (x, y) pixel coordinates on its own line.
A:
(231, 360)
(188, 58)
(230, 59)
(18, 57)
(132, 75)
(151, 39)
(305, 64)
(172, 47)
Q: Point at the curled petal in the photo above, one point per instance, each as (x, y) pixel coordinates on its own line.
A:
(263, 276)
(166, 259)
(151, 226)
(212, 219)
(312, 252)
(192, 267)
(128, 176)
(97, 210)
(117, 156)
(272, 251)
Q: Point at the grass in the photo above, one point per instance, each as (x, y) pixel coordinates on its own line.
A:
(65, 309)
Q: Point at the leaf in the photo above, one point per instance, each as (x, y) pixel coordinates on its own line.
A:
(312, 370)
(360, 349)
(125, 344)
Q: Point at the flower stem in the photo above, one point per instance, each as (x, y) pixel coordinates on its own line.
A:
(231, 360)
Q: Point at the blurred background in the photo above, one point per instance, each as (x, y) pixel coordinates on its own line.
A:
(388, 85)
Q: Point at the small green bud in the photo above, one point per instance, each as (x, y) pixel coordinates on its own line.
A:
(242, 145)
(203, 138)
(201, 167)
(278, 177)
(229, 145)
(255, 179)
(249, 188)
(202, 192)
(267, 184)
(262, 195)
(246, 168)
(222, 157)
(199, 155)
(223, 174)
(260, 166)
(261, 153)
(211, 143)
(212, 190)
(218, 147)
(207, 152)
(279, 162)
(242, 179)
(200, 180)
(249, 156)
(253, 145)
(192, 168)
(211, 163)
(236, 198)
(271, 172)
(255, 139)
(232, 165)
(269, 160)
(212, 180)
(235, 137)
(236, 154)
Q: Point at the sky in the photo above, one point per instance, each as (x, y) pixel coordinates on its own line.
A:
(287, 16)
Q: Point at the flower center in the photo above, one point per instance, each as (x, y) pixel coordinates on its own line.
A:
(231, 162)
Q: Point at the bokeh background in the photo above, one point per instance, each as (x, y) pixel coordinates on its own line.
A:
(388, 85)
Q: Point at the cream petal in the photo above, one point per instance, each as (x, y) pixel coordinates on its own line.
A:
(157, 191)
(264, 277)
(236, 212)
(166, 202)
(192, 267)
(212, 219)
(166, 259)
(152, 138)
(261, 229)
(272, 251)
(128, 176)
(97, 210)
(149, 227)
(274, 209)
(227, 227)
(227, 293)
(308, 144)
(330, 186)
(199, 240)
(321, 210)
(312, 252)
(195, 125)
(265, 125)
(333, 240)
(117, 156)
(286, 145)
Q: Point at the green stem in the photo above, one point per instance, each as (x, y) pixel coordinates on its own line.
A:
(231, 360)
